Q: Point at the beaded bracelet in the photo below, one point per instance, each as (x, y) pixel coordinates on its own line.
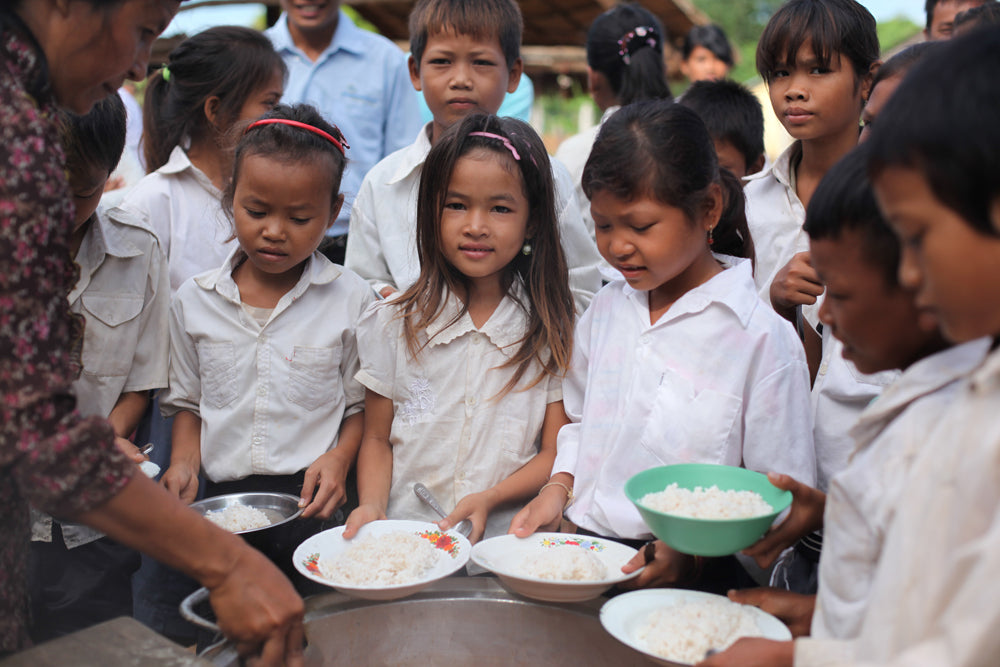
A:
(569, 493)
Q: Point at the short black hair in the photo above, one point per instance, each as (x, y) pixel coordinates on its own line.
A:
(481, 19)
(903, 61)
(844, 201)
(943, 124)
(978, 17)
(832, 26)
(731, 113)
(713, 38)
(97, 138)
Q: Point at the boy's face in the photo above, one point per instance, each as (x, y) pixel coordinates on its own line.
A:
(814, 102)
(954, 269)
(879, 324)
(943, 18)
(876, 101)
(460, 75)
(311, 15)
(734, 160)
(87, 185)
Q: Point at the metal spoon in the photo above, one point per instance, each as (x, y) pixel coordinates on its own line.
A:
(464, 526)
(146, 449)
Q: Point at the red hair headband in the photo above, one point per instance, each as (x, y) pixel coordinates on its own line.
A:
(341, 143)
(502, 139)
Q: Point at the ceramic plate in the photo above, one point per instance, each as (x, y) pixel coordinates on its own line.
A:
(624, 616)
(453, 554)
(505, 556)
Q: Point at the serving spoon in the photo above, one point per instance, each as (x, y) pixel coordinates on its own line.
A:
(464, 527)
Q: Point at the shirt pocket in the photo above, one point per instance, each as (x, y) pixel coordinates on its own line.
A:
(314, 376)
(689, 425)
(108, 335)
(217, 361)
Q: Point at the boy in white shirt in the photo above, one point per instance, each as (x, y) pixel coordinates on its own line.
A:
(464, 58)
(78, 576)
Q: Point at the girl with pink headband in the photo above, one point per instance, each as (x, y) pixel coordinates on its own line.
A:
(464, 369)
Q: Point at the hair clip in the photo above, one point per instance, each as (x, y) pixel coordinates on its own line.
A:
(634, 40)
(504, 140)
(341, 143)
(165, 73)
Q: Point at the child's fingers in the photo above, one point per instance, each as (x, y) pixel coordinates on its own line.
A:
(308, 487)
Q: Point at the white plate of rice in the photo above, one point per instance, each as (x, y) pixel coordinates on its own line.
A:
(678, 627)
(386, 560)
(555, 567)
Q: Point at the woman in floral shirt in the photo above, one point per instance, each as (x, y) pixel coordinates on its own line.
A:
(73, 53)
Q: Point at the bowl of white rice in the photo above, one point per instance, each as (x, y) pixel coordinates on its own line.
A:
(706, 509)
(243, 513)
(678, 627)
(555, 567)
(386, 560)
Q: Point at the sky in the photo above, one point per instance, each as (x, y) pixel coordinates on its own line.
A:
(196, 19)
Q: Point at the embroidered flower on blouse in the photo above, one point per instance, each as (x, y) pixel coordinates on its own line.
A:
(421, 402)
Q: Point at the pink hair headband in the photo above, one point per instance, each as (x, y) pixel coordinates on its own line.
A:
(341, 143)
(502, 139)
(634, 40)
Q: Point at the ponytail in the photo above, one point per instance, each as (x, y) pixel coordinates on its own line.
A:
(732, 234)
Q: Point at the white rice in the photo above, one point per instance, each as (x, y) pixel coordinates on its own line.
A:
(236, 518)
(382, 560)
(565, 562)
(707, 503)
(684, 633)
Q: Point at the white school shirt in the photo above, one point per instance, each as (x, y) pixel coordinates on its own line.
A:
(382, 242)
(184, 209)
(272, 398)
(719, 378)
(935, 597)
(864, 496)
(123, 295)
(449, 429)
(775, 216)
(840, 393)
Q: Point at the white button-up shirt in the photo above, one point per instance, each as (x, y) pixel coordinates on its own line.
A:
(271, 398)
(864, 496)
(382, 244)
(451, 429)
(934, 597)
(184, 209)
(719, 378)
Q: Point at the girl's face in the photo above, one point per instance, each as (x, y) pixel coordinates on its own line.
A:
(91, 51)
(263, 99)
(954, 269)
(485, 218)
(281, 211)
(703, 65)
(654, 245)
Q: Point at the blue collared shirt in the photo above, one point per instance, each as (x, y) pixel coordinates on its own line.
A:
(361, 83)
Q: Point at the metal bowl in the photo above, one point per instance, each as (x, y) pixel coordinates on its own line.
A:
(280, 508)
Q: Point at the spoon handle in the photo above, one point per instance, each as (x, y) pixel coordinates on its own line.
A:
(425, 495)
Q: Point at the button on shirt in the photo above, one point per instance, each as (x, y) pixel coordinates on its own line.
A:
(450, 430)
(362, 84)
(382, 244)
(271, 398)
(184, 208)
(719, 378)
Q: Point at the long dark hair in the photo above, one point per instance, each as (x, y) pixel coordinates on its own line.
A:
(543, 273)
(661, 150)
(228, 62)
(643, 77)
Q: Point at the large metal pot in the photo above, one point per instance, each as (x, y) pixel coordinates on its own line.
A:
(457, 621)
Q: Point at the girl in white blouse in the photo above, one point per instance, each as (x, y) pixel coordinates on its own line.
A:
(680, 361)
(463, 371)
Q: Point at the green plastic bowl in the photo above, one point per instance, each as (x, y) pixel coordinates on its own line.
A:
(706, 537)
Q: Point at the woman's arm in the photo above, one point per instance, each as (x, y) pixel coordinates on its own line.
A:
(181, 478)
(374, 464)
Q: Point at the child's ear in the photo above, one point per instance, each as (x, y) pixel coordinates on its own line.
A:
(211, 109)
(414, 67)
(514, 76)
(866, 82)
(713, 207)
(757, 165)
(995, 214)
(335, 210)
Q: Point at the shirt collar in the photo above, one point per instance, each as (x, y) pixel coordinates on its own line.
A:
(733, 288)
(347, 37)
(505, 328)
(318, 271)
(781, 168)
(26, 55)
(413, 156)
(986, 377)
(103, 239)
(179, 162)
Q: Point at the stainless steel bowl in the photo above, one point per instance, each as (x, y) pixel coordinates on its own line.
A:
(280, 508)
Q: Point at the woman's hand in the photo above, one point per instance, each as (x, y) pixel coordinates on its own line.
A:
(181, 480)
(753, 652)
(475, 507)
(130, 450)
(792, 609)
(544, 512)
(806, 516)
(665, 567)
(359, 517)
(326, 477)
